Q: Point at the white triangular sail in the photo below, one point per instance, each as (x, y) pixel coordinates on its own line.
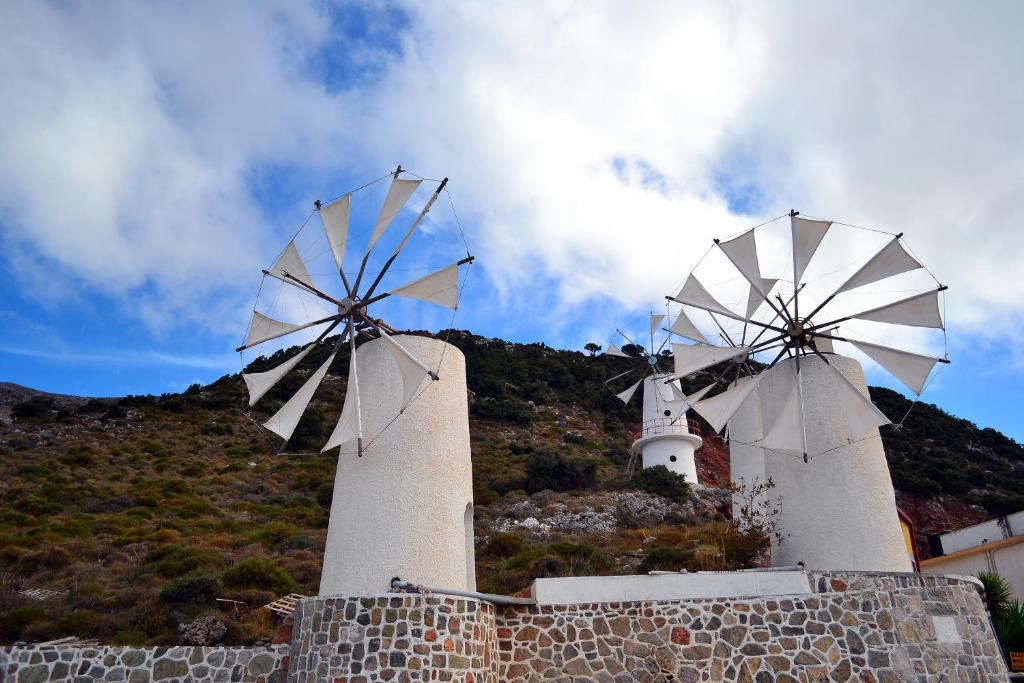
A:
(334, 217)
(861, 414)
(694, 294)
(291, 263)
(614, 350)
(718, 409)
(283, 422)
(807, 235)
(699, 394)
(689, 359)
(440, 287)
(263, 328)
(347, 429)
(626, 395)
(920, 310)
(782, 411)
(259, 383)
(398, 195)
(412, 371)
(684, 327)
(656, 320)
(742, 251)
(910, 368)
(891, 260)
(756, 297)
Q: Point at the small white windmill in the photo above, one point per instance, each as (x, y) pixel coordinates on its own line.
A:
(666, 437)
(801, 400)
(348, 300)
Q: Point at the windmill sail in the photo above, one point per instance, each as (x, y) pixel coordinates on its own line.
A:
(283, 422)
(259, 383)
(626, 395)
(263, 328)
(413, 372)
(920, 310)
(694, 294)
(807, 235)
(756, 297)
(440, 287)
(742, 251)
(891, 260)
(910, 368)
(290, 263)
(861, 414)
(347, 430)
(334, 217)
(656, 320)
(684, 327)
(614, 350)
(782, 412)
(398, 195)
(689, 359)
(718, 409)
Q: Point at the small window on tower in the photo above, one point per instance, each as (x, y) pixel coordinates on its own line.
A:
(671, 458)
(668, 413)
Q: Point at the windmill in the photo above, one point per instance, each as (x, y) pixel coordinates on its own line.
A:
(343, 299)
(666, 436)
(408, 513)
(786, 396)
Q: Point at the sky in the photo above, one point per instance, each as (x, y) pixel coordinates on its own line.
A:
(154, 157)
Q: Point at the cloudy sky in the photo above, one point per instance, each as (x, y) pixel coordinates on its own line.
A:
(154, 157)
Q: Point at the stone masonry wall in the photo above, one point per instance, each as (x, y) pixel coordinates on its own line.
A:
(863, 627)
(395, 637)
(142, 665)
(857, 628)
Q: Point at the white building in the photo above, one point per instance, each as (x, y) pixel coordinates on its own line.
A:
(667, 437)
(995, 546)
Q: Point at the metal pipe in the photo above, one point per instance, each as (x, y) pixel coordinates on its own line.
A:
(488, 597)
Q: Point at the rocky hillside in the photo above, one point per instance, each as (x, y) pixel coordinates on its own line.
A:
(147, 512)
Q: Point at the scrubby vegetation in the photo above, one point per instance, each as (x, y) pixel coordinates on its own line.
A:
(149, 511)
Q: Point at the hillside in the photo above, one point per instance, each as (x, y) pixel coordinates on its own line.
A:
(146, 510)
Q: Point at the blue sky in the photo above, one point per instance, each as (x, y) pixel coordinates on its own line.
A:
(153, 158)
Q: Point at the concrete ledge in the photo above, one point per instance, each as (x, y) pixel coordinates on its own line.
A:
(591, 589)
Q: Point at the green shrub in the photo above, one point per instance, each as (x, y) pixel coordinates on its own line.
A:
(503, 545)
(275, 533)
(557, 472)
(193, 589)
(14, 621)
(661, 481)
(665, 559)
(324, 495)
(998, 593)
(1009, 625)
(504, 410)
(257, 572)
(173, 560)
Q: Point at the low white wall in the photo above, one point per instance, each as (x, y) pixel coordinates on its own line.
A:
(1005, 558)
(968, 537)
(588, 589)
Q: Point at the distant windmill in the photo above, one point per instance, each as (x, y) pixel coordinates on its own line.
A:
(789, 399)
(348, 296)
(667, 437)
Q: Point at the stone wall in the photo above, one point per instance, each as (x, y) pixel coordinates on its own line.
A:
(142, 665)
(393, 637)
(858, 627)
(851, 627)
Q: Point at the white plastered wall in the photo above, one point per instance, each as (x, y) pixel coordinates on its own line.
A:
(838, 509)
(402, 509)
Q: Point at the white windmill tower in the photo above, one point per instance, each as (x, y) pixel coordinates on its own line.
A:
(666, 437)
(405, 509)
(802, 416)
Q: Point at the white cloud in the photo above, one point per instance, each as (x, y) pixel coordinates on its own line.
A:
(588, 144)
